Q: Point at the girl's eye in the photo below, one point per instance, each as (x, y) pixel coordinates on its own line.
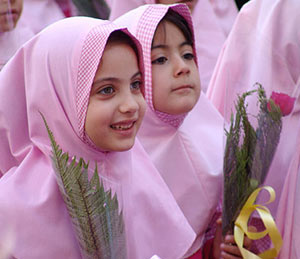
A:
(107, 90)
(159, 61)
(136, 85)
(189, 56)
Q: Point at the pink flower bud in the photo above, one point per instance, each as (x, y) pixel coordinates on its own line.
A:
(284, 102)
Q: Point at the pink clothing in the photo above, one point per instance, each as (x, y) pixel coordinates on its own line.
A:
(53, 74)
(263, 46)
(212, 21)
(186, 149)
(10, 41)
(288, 216)
(40, 13)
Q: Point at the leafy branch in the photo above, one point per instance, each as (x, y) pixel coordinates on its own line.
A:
(94, 212)
(248, 153)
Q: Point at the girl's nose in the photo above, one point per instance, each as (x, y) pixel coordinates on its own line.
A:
(128, 103)
(180, 67)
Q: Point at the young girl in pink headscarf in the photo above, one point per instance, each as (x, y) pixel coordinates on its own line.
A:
(73, 73)
(264, 47)
(212, 21)
(182, 133)
(13, 33)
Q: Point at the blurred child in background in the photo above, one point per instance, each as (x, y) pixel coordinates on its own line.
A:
(13, 33)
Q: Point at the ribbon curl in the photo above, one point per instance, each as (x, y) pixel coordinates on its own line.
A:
(241, 226)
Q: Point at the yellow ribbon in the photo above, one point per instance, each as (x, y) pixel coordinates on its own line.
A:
(241, 226)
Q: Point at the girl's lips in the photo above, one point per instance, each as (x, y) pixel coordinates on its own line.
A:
(124, 129)
(8, 12)
(13, 16)
(182, 87)
(123, 126)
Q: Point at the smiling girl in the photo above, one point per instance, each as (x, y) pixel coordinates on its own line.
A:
(73, 72)
(122, 107)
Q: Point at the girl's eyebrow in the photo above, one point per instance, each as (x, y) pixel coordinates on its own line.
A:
(160, 46)
(104, 79)
(114, 79)
(139, 73)
(163, 46)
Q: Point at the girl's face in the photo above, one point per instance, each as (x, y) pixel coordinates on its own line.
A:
(190, 3)
(10, 12)
(175, 77)
(116, 106)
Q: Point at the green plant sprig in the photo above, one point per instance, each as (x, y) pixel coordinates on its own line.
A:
(94, 212)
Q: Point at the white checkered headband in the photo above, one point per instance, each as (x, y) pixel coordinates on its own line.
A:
(142, 22)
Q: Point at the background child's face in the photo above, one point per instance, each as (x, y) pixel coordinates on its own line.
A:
(175, 77)
(116, 106)
(10, 12)
(190, 3)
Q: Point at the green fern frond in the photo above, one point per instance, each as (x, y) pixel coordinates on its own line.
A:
(94, 212)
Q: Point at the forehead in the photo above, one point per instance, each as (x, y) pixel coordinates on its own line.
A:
(113, 58)
(167, 31)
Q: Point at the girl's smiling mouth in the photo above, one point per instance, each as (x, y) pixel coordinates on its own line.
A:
(122, 126)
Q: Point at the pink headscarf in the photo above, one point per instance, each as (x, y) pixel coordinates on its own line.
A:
(53, 74)
(212, 20)
(41, 13)
(264, 47)
(188, 154)
(10, 41)
(288, 216)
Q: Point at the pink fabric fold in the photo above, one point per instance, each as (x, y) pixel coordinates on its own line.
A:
(12, 40)
(212, 20)
(39, 14)
(289, 207)
(188, 155)
(46, 76)
(263, 47)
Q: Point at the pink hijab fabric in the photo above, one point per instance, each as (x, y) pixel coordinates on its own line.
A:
(288, 216)
(188, 154)
(10, 41)
(212, 20)
(53, 74)
(41, 13)
(264, 47)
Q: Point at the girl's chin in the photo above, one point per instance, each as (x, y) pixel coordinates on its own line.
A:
(118, 148)
(7, 26)
(179, 110)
